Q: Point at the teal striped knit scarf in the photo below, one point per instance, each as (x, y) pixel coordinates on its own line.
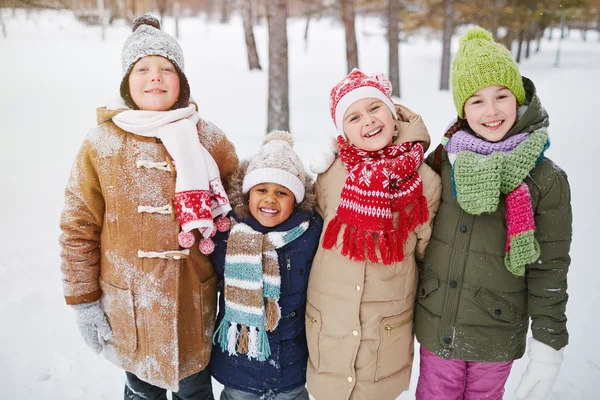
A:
(252, 280)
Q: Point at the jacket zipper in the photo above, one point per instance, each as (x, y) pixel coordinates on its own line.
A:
(289, 272)
(389, 328)
(311, 320)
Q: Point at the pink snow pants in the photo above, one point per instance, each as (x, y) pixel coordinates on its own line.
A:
(441, 379)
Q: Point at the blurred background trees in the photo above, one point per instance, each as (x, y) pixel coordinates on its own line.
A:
(517, 24)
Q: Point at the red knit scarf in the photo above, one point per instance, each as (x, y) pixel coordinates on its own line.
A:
(379, 183)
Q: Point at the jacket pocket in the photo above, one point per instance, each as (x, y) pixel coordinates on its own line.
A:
(496, 306)
(396, 347)
(208, 291)
(428, 284)
(120, 313)
(314, 324)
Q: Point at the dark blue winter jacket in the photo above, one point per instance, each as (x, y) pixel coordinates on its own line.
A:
(285, 369)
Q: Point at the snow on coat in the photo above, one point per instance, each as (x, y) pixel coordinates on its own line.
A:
(119, 244)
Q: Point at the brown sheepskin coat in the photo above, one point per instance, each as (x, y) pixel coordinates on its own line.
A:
(161, 311)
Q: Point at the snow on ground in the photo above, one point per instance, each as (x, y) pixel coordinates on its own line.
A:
(55, 72)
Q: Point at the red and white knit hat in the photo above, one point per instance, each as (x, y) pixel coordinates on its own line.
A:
(357, 86)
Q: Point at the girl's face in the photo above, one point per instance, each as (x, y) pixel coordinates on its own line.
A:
(491, 112)
(154, 84)
(271, 204)
(369, 124)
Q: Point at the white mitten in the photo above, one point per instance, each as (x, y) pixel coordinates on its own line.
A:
(321, 161)
(542, 371)
(92, 324)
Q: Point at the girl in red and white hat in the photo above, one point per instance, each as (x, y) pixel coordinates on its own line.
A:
(378, 200)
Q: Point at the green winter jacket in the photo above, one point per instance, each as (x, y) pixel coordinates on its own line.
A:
(469, 306)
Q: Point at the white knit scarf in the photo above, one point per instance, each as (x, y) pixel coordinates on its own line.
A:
(199, 193)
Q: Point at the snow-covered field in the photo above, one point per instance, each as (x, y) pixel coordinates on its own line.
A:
(54, 72)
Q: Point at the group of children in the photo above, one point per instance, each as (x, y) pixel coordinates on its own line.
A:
(321, 286)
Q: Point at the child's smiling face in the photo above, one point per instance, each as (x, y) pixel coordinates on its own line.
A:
(270, 203)
(154, 84)
(369, 124)
(491, 112)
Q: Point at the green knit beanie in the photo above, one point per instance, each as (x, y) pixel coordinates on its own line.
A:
(481, 62)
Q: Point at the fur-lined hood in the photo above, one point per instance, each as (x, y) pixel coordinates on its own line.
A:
(239, 200)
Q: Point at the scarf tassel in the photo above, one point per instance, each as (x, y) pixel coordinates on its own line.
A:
(419, 214)
(371, 248)
(360, 246)
(346, 241)
(521, 246)
(258, 344)
(273, 314)
(384, 248)
(331, 233)
(242, 347)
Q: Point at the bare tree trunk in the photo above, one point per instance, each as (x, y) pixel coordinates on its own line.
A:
(278, 114)
(539, 35)
(446, 45)
(225, 8)
(496, 18)
(162, 8)
(394, 67)
(562, 29)
(176, 16)
(253, 61)
(521, 37)
(584, 34)
(550, 34)
(3, 25)
(527, 41)
(308, 12)
(507, 40)
(351, 45)
(102, 17)
(133, 9)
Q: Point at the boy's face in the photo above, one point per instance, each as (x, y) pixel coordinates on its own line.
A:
(491, 112)
(369, 124)
(154, 84)
(271, 204)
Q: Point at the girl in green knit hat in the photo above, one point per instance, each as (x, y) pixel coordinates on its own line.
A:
(499, 253)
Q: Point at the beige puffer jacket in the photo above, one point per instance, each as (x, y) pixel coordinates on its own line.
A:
(359, 314)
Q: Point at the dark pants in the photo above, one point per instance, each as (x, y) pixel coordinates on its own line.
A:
(299, 393)
(194, 387)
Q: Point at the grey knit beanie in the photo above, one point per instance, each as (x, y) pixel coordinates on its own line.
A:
(278, 163)
(148, 40)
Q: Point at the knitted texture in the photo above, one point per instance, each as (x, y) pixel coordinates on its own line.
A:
(481, 62)
(357, 86)
(148, 39)
(378, 184)
(252, 278)
(277, 162)
(483, 170)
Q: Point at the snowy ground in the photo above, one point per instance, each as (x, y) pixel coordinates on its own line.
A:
(53, 74)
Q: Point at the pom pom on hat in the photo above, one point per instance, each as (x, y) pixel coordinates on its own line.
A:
(279, 135)
(475, 33)
(481, 62)
(145, 20)
(277, 162)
